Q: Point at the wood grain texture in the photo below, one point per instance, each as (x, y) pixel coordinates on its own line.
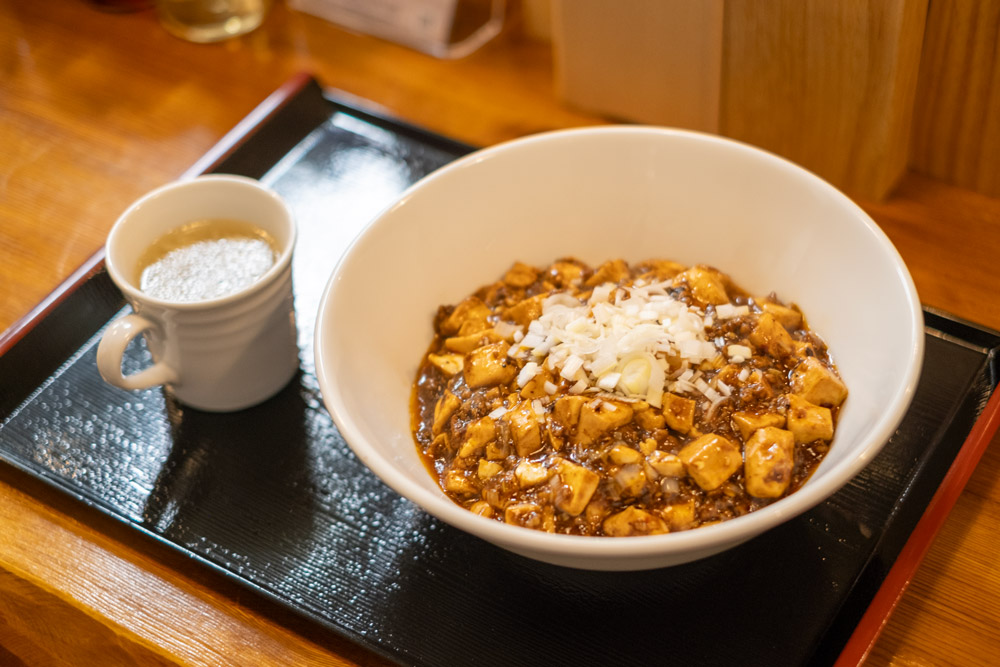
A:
(829, 85)
(956, 127)
(41, 630)
(648, 61)
(96, 108)
(69, 596)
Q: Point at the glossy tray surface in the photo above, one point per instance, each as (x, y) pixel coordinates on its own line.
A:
(273, 497)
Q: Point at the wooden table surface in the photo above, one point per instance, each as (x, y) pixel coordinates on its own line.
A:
(97, 108)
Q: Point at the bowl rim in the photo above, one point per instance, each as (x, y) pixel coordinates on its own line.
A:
(590, 548)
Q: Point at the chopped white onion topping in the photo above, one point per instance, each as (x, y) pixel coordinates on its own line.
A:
(739, 353)
(508, 330)
(619, 340)
(570, 366)
(609, 381)
(727, 311)
(498, 413)
(529, 371)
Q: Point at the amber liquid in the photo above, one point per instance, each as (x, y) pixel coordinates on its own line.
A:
(211, 20)
(207, 259)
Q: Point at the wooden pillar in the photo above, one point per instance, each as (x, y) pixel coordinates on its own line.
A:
(827, 84)
(956, 127)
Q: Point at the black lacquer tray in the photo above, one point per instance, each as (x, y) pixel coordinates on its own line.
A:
(273, 498)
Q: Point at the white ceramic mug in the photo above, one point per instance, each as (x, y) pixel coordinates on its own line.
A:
(220, 354)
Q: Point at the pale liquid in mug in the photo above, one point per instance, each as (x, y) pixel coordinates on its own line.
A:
(206, 259)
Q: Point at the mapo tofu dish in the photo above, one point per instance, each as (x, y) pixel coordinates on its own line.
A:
(622, 399)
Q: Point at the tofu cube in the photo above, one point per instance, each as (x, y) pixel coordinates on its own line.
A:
(566, 411)
(769, 337)
(449, 364)
(525, 428)
(520, 275)
(576, 486)
(457, 482)
(529, 515)
(707, 285)
(497, 451)
(531, 473)
(482, 508)
(662, 269)
(790, 318)
(710, 460)
(612, 271)
(634, 521)
(646, 417)
(440, 444)
(469, 342)
(818, 384)
(770, 457)
(668, 465)
(535, 387)
(680, 516)
(469, 316)
(748, 422)
(524, 311)
(629, 480)
(599, 416)
(488, 469)
(678, 412)
(565, 273)
(477, 435)
(596, 512)
(489, 365)
(807, 421)
(647, 446)
(443, 410)
(622, 454)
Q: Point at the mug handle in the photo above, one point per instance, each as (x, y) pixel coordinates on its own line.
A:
(111, 349)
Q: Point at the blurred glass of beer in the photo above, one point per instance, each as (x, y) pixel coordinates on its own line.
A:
(211, 20)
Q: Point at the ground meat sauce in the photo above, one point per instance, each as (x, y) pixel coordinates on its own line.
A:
(622, 400)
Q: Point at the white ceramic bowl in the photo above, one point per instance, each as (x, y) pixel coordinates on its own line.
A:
(597, 194)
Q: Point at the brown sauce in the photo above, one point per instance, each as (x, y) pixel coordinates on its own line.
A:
(729, 435)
